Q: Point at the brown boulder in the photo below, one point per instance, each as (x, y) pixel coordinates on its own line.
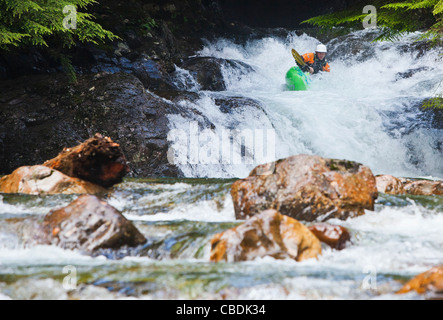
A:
(89, 224)
(38, 180)
(389, 184)
(306, 188)
(98, 160)
(429, 281)
(425, 187)
(334, 236)
(266, 234)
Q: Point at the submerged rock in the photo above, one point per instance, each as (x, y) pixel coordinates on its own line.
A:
(334, 236)
(98, 160)
(430, 281)
(266, 234)
(40, 180)
(307, 188)
(89, 224)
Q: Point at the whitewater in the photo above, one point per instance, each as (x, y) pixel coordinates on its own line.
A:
(366, 110)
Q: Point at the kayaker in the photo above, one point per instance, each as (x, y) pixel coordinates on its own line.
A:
(316, 62)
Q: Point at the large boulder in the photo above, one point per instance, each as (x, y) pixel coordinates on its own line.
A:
(40, 180)
(98, 160)
(430, 281)
(89, 224)
(306, 188)
(266, 234)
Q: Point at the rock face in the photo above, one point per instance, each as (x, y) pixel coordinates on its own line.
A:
(334, 236)
(89, 224)
(429, 281)
(266, 234)
(39, 180)
(98, 160)
(306, 188)
(425, 188)
(392, 185)
(42, 114)
(389, 184)
(208, 71)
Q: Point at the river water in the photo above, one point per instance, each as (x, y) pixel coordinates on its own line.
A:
(365, 110)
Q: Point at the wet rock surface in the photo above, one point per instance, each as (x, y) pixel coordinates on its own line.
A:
(337, 237)
(389, 184)
(430, 282)
(44, 114)
(306, 188)
(89, 224)
(98, 160)
(266, 234)
(41, 180)
(208, 71)
(392, 185)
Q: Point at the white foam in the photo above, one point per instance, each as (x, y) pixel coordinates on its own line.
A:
(343, 114)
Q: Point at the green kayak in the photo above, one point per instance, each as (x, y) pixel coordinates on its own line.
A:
(297, 80)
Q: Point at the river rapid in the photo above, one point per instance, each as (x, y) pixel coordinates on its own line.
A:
(365, 110)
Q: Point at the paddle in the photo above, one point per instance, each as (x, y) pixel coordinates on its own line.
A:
(298, 58)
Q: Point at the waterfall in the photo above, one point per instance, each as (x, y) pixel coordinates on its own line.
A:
(366, 110)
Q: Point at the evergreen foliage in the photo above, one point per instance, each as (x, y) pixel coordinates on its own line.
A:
(393, 18)
(39, 22)
(45, 23)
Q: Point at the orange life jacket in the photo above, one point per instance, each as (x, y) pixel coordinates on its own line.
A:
(313, 61)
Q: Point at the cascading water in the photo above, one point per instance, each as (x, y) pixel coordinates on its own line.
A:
(365, 110)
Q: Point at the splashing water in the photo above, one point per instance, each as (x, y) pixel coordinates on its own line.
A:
(365, 110)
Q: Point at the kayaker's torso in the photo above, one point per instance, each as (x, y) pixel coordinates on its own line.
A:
(313, 61)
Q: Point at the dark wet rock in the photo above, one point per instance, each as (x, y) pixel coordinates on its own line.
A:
(410, 73)
(417, 48)
(410, 116)
(89, 224)
(306, 188)
(208, 71)
(3, 73)
(235, 104)
(267, 234)
(43, 114)
(352, 46)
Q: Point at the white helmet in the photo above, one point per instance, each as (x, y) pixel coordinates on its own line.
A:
(321, 48)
